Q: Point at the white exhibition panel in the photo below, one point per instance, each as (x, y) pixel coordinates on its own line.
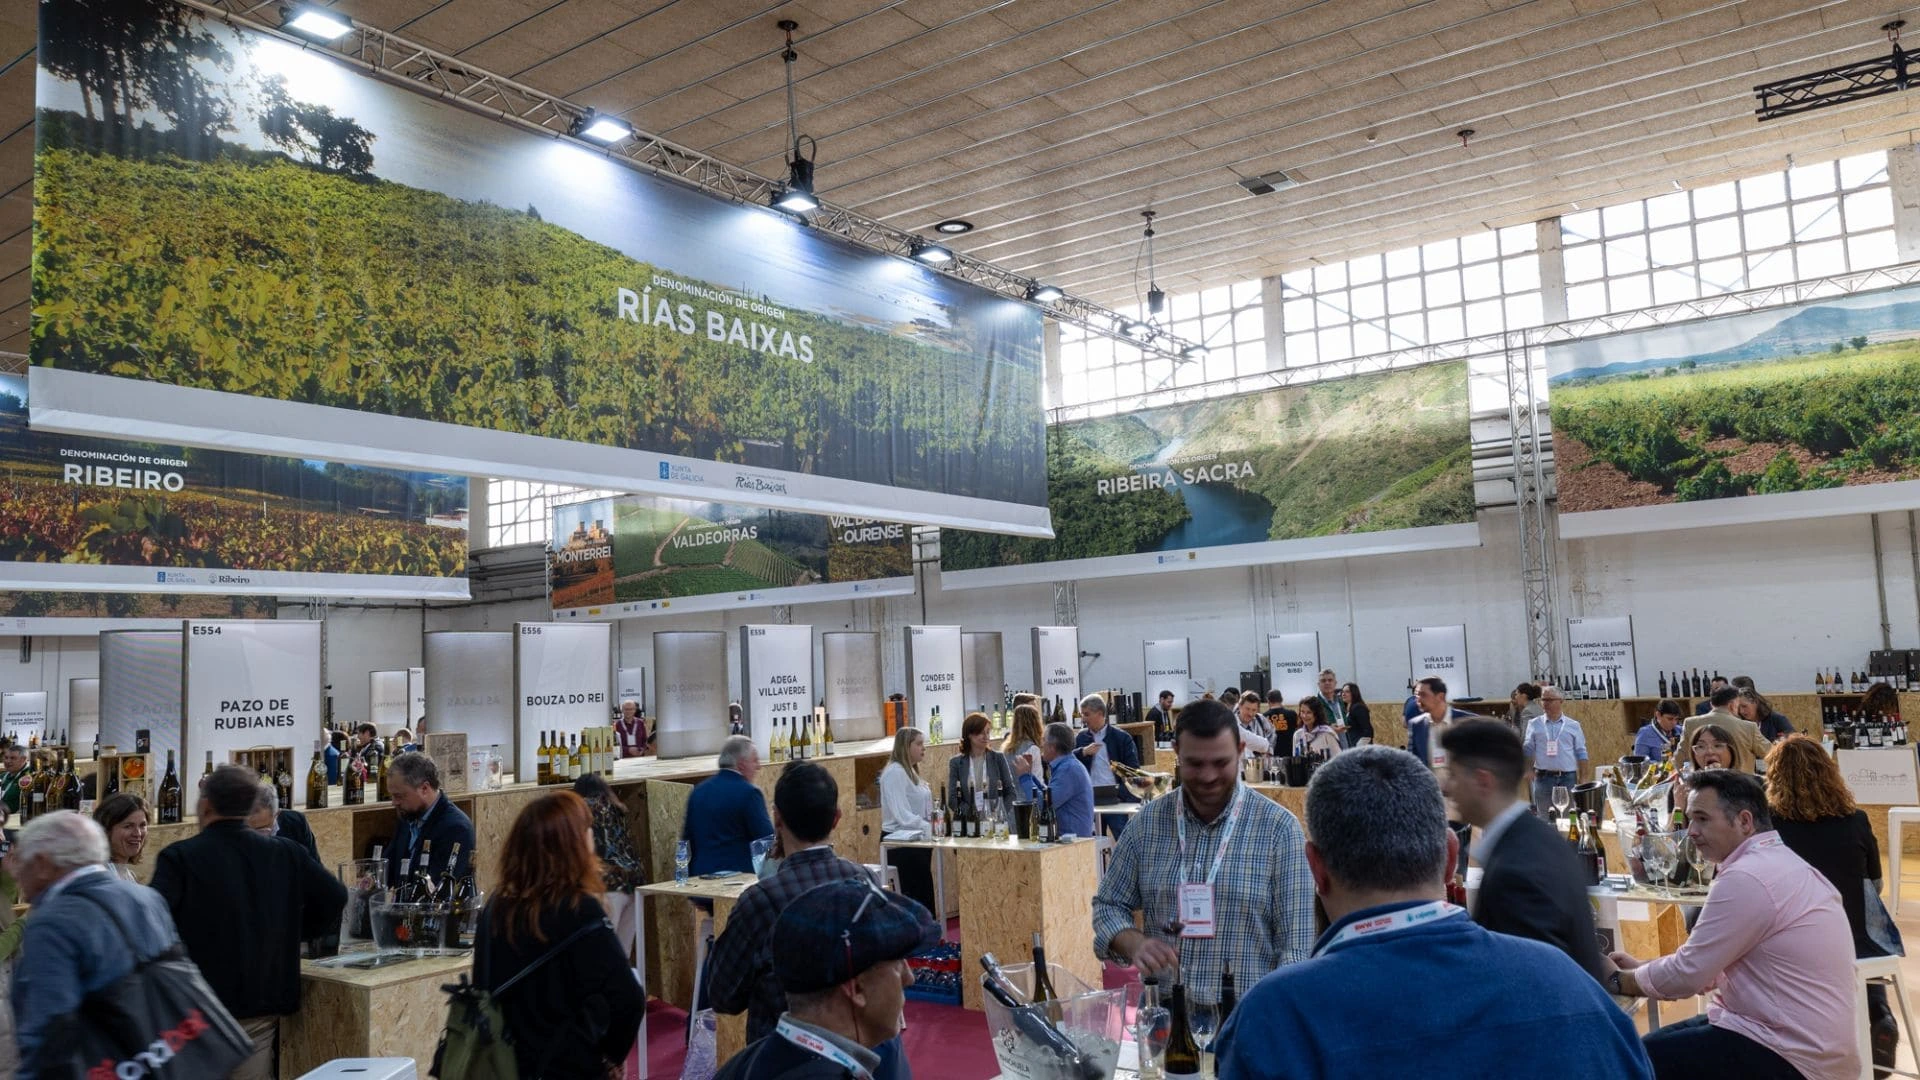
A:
(470, 685)
(250, 683)
(1882, 777)
(1305, 549)
(1056, 664)
(935, 678)
(96, 577)
(1169, 666)
(1600, 645)
(83, 712)
(86, 404)
(416, 696)
(140, 689)
(776, 678)
(23, 715)
(630, 684)
(768, 597)
(1440, 652)
(850, 681)
(64, 626)
(387, 700)
(983, 669)
(690, 692)
(1293, 664)
(560, 676)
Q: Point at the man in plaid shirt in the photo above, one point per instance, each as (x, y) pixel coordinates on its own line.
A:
(1212, 849)
(806, 806)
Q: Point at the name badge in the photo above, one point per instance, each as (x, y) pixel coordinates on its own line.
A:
(1196, 911)
(1553, 749)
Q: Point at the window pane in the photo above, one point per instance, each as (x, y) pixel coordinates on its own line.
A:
(1481, 280)
(1248, 324)
(1246, 292)
(1297, 281)
(1772, 268)
(1669, 209)
(1627, 254)
(1825, 259)
(1402, 262)
(1766, 228)
(1767, 189)
(1517, 238)
(1212, 327)
(1129, 379)
(1159, 370)
(1443, 287)
(1444, 324)
(1808, 180)
(1582, 263)
(1361, 271)
(1369, 301)
(1297, 314)
(1714, 239)
(1301, 350)
(1816, 219)
(1520, 273)
(1622, 219)
(1073, 358)
(1484, 317)
(1722, 276)
(1403, 295)
(1479, 247)
(1586, 301)
(1184, 306)
(1671, 247)
(1870, 250)
(1100, 384)
(1250, 358)
(1369, 338)
(1869, 209)
(1219, 364)
(1584, 225)
(1523, 309)
(1440, 254)
(1406, 330)
(1330, 277)
(1336, 344)
(1627, 293)
(1674, 286)
(1714, 201)
(1863, 169)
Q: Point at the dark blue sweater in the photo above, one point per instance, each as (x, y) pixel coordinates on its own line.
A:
(1471, 1004)
(725, 815)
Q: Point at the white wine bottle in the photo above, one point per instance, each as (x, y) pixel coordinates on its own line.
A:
(1183, 1053)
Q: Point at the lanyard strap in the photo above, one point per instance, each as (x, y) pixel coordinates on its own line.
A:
(808, 1041)
(1391, 921)
(1219, 857)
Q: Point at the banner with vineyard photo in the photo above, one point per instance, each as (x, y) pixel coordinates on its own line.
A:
(616, 558)
(1369, 464)
(1805, 410)
(206, 529)
(242, 242)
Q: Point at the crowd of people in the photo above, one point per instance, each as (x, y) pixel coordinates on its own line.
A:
(1212, 884)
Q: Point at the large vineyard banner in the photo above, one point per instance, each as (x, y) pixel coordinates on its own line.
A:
(111, 519)
(1366, 465)
(1798, 411)
(615, 558)
(244, 243)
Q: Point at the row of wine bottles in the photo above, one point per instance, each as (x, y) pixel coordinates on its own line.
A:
(805, 738)
(1685, 684)
(563, 758)
(1851, 729)
(1583, 832)
(1836, 681)
(1591, 686)
(425, 925)
(54, 785)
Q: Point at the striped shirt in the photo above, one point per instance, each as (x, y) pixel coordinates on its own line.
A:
(1263, 898)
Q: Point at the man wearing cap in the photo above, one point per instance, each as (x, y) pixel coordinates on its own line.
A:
(840, 953)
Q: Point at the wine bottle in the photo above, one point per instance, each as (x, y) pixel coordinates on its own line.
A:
(543, 761)
(206, 772)
(168, 799)
(353, 780)
(1033, 1024)
(826, 725)
(424, 885)
(1046, 828)
(460, 894)
(317, 777)
(283, 784)
(76, 791)
(1183, 1053)
(574, 761)
(805, 742)
(1228, 997)
(1599, 847)
(380, 779)
(1043, 992)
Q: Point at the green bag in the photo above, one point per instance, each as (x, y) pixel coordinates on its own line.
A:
(474, 1045)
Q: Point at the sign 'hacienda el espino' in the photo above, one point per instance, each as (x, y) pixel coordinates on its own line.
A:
(122, 517)
(615, 558)
(245, 243)
(1363, 465)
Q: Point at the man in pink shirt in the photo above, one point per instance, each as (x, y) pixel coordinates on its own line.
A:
(1773, 940)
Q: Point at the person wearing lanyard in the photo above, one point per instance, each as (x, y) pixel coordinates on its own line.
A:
(840, 952)
(1556, 746)
(1218, 872)
(1381, 855)
(426, 815)
(16, 767)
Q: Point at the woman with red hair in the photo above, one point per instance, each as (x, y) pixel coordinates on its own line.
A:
(575, 1008)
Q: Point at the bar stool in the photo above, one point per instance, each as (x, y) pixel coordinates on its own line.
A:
(1898, 818)
(1878, 969)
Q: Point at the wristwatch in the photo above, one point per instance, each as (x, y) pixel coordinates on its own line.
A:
(1613, 984)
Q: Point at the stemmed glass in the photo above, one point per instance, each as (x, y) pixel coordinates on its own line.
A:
(1703, 867)
(1660, 855)
(1202, 1019)
(1562, 801)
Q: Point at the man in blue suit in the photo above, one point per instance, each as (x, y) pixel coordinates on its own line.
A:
(726, 813)
(1099, 745)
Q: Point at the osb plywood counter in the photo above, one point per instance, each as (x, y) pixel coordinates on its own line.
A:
(392, 1011)
(1011, 889)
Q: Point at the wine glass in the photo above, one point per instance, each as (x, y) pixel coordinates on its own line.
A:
(1660, 855)
(1201, 1018)
(1703, 867)
(1562, 800)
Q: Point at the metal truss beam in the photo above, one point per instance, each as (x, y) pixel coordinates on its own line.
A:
(1530, 497)
(1834, 86)
(398, 60)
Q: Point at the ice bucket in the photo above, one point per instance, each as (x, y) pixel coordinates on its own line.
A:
(1093, 1019)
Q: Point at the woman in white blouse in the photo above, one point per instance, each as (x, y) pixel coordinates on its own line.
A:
(906, 810)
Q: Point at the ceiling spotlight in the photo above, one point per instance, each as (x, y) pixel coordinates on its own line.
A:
(1044, 294)
(1194, 352)
(954, 227)
(318, 23)
(1136, 329)
(931, 254)
(796, 195)
(605, 130)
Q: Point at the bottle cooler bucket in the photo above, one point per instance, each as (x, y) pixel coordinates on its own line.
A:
(1093, 1019)
(1591, 798)
(364, 878)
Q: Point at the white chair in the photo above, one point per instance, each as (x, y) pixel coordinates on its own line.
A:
(1886, 970)
(887, 877)
(364, 1069)
(1898, 818)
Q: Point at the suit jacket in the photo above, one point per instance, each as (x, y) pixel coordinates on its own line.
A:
(1532, 886)
(999, 774)
(1746, 735)
(293, 825)
(243, 903)
(443, 826)
(1120, 748)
